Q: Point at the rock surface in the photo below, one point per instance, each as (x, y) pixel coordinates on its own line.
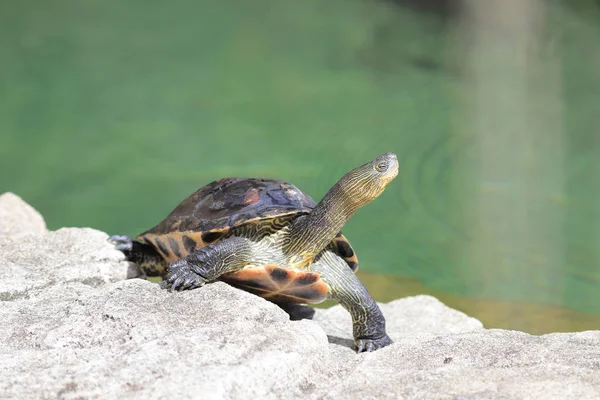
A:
(34, 261)
(74, 328)
(16, 216)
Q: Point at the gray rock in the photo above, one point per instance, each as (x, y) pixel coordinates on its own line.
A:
(32, 261)
(481, 364)
(16, 216)
(73, 328)
(135, 340)
(406, 316)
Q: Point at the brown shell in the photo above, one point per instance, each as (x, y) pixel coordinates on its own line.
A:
(209, 213)
(281, 285)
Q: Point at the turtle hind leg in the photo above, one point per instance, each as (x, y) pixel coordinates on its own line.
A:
(297, 311)
(145, 256)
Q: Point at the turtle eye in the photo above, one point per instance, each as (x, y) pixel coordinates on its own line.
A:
(381, 167)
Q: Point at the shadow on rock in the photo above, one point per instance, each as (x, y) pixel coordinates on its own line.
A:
(340, 341)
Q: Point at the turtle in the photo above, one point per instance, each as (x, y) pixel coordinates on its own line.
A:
(269, 238)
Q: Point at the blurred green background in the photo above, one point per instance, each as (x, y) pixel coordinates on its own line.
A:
(112, 112)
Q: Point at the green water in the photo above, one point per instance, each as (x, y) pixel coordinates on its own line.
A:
(112, 112)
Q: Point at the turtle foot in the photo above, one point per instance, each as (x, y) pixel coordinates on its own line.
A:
(122, 242)
(181, 277)
(369, 345)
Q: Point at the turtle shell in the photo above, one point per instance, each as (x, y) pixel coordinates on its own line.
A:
(208, 214)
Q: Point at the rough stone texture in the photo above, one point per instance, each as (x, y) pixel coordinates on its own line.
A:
(135, 340)
(486, 364)
(406, 316)
(71, 329)
(16, 216)
(33, 261)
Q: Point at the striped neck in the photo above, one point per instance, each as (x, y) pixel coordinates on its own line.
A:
(310, 234)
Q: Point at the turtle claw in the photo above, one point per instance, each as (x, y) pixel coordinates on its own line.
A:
(181, 277)
(189, 284)
(177, 285)
(370, 345)
(122, 242)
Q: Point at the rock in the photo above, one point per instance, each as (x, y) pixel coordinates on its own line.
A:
(16, 216)
(33, 261)
(481, 364)
(135, 340)
(72, 327)
(406, 316)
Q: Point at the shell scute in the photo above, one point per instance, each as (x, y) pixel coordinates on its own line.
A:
(233, 201)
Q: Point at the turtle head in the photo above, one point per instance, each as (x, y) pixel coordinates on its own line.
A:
(311, 233)
(365, 183)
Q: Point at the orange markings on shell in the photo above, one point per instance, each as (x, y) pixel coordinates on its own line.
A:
(252, 196)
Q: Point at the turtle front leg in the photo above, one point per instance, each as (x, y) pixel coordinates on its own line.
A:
(207, 264)
(368, 322)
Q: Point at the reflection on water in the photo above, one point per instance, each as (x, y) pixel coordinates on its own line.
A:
(110, 117)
